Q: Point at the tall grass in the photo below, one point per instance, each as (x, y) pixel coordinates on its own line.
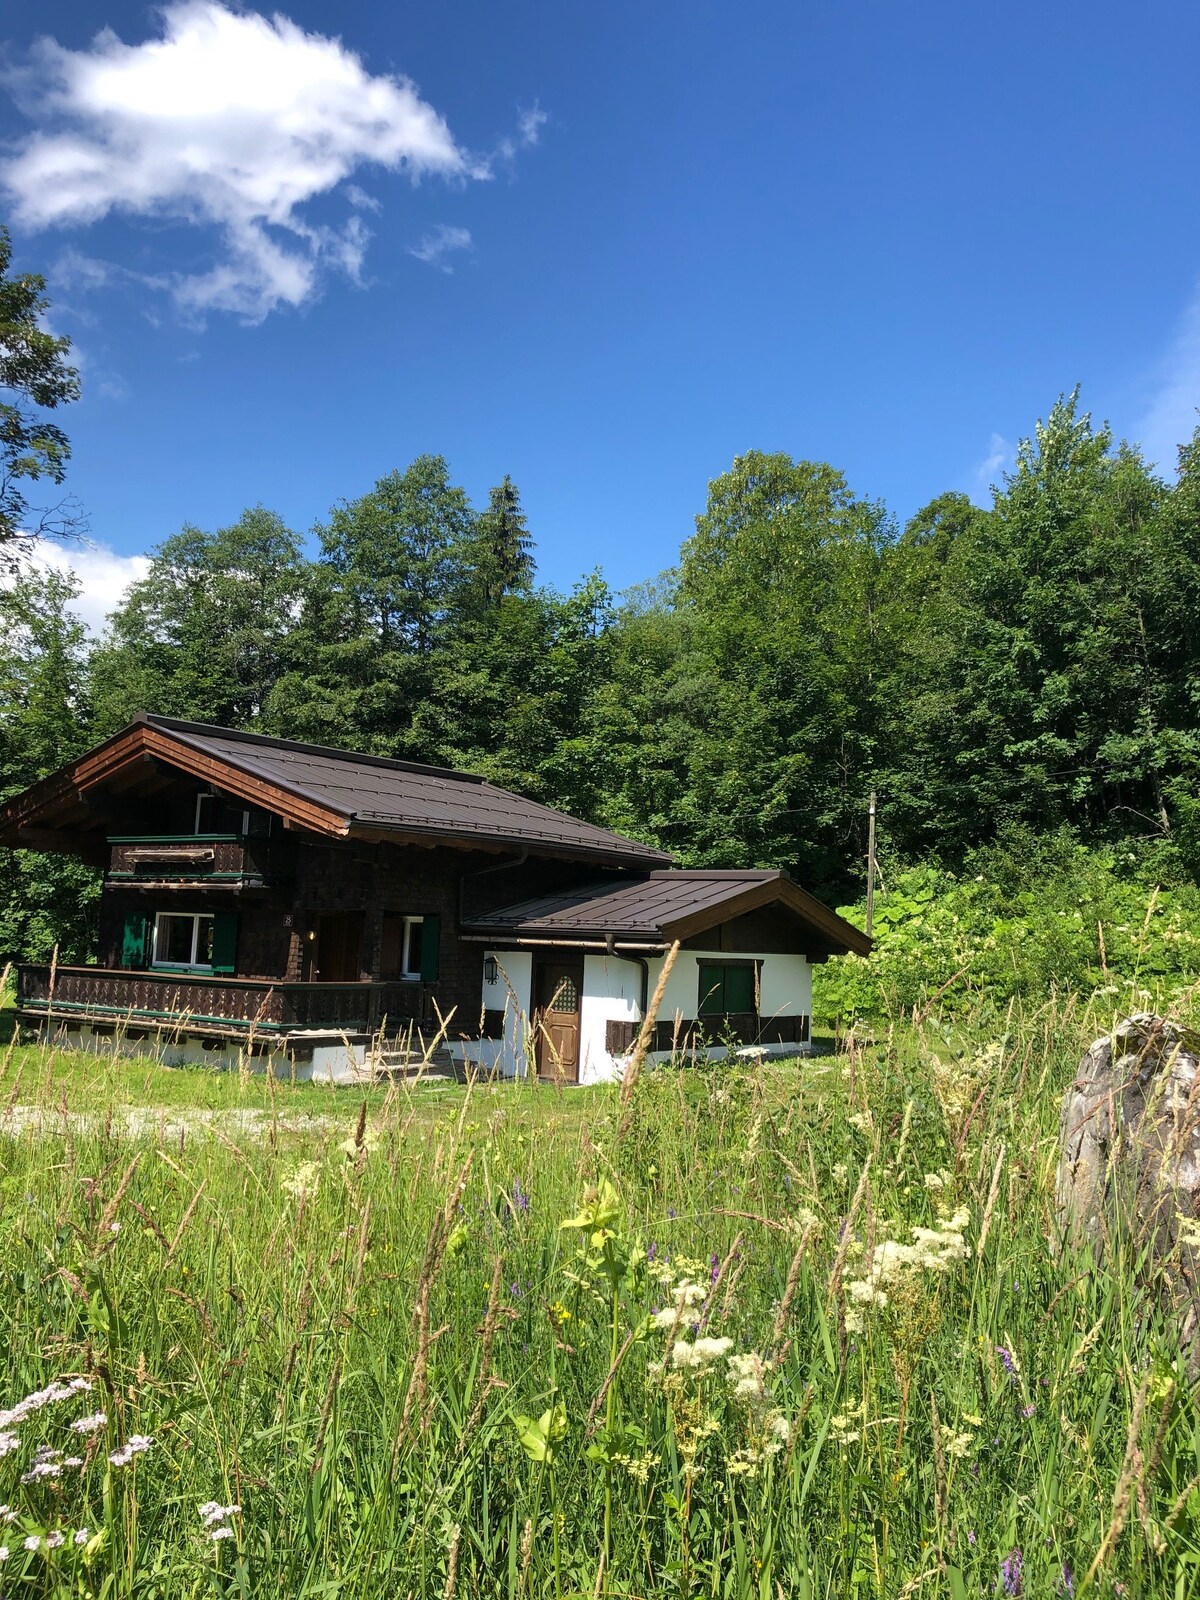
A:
(476, 1344)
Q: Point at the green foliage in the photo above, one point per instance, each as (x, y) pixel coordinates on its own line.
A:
(1029, 916)
(45, 900)
(34, 378)
(203, 634)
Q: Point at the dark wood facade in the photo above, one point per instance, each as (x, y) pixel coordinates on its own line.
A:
(261, 890)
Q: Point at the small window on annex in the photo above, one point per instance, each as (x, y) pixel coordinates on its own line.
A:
(728, 989)
(183, 939)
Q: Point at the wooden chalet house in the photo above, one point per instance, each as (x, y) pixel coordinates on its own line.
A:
(304, 904)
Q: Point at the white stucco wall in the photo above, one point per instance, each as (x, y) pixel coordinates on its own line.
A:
(512, 994)
(612, 989)
(612, 993)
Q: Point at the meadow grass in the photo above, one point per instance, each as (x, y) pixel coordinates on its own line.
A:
(507, 1341)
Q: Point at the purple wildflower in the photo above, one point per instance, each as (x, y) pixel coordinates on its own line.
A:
(520, 1198)
(672, 1213)
(1027, 1411)
(970, 1535)
(714, 1267)
(1008, 1362)
(1011, 1570)
(1068, 1578)
(651, 1250)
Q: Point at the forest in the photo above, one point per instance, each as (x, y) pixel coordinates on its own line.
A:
(1019, 683)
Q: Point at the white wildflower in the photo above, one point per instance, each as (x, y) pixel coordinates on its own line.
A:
(213, 1511)
(700, 1354)
(303, 1182)
(92, 1424)
(4, 1552)
(224, 1532)
(82, 1535)
(55, 1539)
(840, 1172)
(747, 1376)
(7, 1514)
(33, 1542)
(8, 1443)
(955, 1444)
(135, 1445)
(42, 1397)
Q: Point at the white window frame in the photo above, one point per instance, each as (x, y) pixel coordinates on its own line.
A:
(205, 794)
(183, 966)
(406, 971)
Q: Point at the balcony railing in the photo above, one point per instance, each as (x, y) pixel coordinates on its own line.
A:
(211, 859)
(189, 1003)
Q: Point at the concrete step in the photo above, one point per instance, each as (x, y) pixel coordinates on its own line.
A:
(401, 1063)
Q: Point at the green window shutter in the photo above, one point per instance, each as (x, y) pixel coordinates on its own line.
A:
(712, 991)
(225, 941)
(136, 940)
(739, 989)
(431, 939)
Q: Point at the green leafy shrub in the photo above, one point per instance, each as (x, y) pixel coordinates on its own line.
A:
(1028, 917)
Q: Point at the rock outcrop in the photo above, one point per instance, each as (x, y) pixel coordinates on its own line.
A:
(1129, 1167)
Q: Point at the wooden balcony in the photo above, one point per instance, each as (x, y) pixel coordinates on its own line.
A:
(208, 860)
(220, 1007)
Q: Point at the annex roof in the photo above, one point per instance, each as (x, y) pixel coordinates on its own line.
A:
(662, 906)
(341, 793)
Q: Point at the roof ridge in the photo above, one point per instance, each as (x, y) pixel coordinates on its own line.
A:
(203, 729)
(746, 874)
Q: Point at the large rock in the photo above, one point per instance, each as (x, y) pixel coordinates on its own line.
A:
(1130, 1161)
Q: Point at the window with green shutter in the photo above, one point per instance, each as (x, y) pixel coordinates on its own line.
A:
(431, 936)
(727, 988)
(224, 948)
(134, 939)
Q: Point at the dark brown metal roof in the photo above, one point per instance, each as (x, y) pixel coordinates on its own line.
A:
(375, 793)
(662, 906)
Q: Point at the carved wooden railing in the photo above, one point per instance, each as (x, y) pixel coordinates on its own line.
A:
(191, 1002)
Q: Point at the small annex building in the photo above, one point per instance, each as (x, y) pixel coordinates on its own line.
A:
(317, 907)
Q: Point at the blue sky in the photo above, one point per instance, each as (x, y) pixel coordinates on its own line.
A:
(643, 239)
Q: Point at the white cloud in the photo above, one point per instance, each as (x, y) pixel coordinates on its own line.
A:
(361, 200)
(529, 132)
(999, 455)
(231, 119)
(1171, 417)
(439, 242)
(103, 575)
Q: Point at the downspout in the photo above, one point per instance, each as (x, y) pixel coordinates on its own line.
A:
(610, 944)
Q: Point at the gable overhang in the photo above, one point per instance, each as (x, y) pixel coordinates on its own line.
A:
(57, 813)
(837, 936)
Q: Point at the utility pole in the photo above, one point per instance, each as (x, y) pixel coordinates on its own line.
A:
(871, 865)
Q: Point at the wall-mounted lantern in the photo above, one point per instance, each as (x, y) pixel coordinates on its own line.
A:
(490, 969)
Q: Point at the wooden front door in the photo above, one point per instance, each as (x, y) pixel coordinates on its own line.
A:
(558, 999)
(339, 947)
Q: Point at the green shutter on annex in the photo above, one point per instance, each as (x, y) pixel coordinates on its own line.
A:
(135, 940)
(431, 940)
(739, 990)
(712, 990)
(224, 958)
(726, 991)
